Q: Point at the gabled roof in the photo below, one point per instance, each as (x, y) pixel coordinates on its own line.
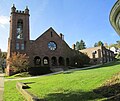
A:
(54, 32)
(46, 31)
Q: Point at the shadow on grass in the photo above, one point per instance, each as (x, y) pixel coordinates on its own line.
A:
(104, 93)
(73, 96)
(112, 92)
(29, 83)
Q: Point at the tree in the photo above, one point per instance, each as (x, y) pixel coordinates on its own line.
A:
(18, 62)
(3, 56)
(116, 45)
(77, 46)
(95, 45)
(80, 59)
(80, 45)
(99, 43)
(118, 42)
(0, 54)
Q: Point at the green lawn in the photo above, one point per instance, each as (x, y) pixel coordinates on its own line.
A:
(70, 86)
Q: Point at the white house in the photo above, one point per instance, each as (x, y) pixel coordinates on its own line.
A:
(115, 50)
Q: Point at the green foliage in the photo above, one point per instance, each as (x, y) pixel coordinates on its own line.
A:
(80, 60)
(71, 85)
(77, 46)
(18, 62)
(96, 44)
(80, 45)
(3, 56)
(0, 54)
(118, 42)
(99, 43)
(85, 58)
(116, 45)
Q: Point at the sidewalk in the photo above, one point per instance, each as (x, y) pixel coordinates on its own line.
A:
(70, 70)
(1, 85)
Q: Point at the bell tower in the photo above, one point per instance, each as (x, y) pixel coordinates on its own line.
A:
(19, 31)
(18, 40)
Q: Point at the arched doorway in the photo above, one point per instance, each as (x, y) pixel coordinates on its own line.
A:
(67, 61)
(61, 61)
(46, 61)
(54, 61)
(37, 60)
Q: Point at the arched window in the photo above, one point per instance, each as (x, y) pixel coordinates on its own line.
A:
(67, 61)
(54, 61)
(46, 61)
(61, 61)
(20, 29)
(37, 60)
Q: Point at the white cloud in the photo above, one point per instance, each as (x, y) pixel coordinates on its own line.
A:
(4, 20)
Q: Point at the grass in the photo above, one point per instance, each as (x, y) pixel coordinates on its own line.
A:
(11, 93)
(23, 74)
(69, 86)
(111, 88)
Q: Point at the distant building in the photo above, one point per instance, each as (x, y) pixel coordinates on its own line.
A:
(115, 50)
(99, 54)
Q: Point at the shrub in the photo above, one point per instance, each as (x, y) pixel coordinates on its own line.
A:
(18, 62)
(80, 60)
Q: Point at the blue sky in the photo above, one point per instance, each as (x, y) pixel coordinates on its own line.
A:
(76, 19)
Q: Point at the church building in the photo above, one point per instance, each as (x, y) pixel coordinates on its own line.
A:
(48, 50)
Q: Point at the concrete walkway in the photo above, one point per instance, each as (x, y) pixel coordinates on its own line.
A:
(1, 85)
(70, 70)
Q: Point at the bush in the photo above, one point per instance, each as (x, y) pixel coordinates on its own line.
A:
(18, 62)
(80, 60)
(39, 70)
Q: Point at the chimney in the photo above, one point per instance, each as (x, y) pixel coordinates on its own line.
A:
(61, 36)
(73, 46)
